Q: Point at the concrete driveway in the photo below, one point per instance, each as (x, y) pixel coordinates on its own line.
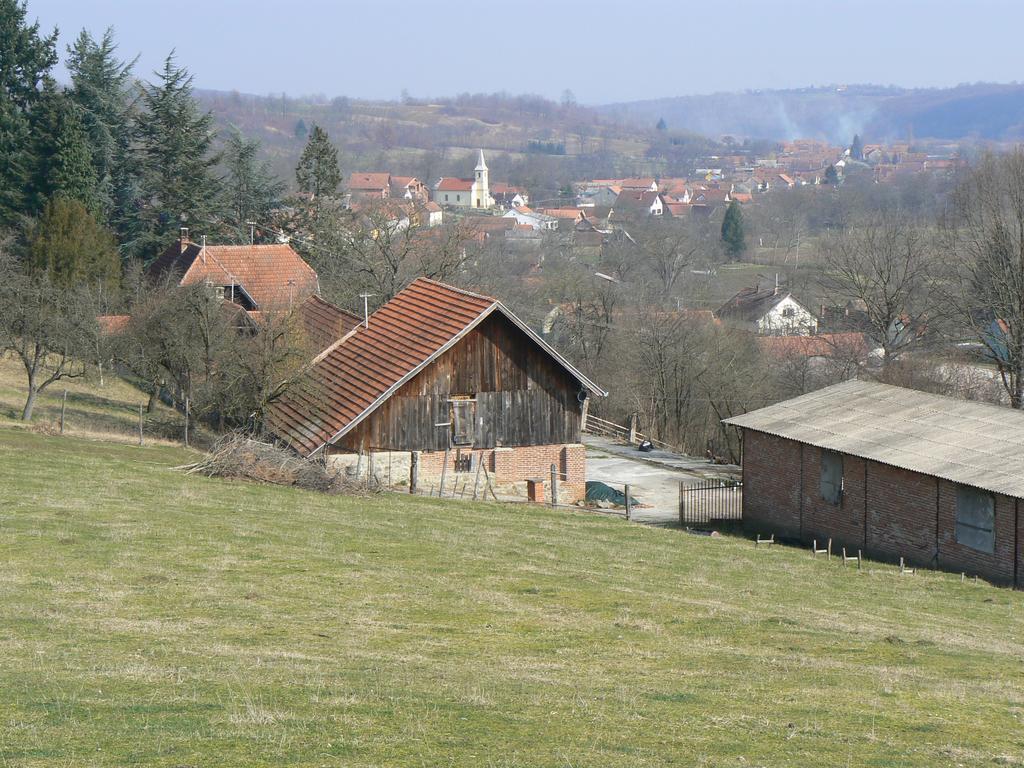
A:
(653, 478)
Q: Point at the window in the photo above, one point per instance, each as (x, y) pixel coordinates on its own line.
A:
(975, 518)
(458, 198)
(788, 312)
(831, 476)
(463, 417)
(446, 198)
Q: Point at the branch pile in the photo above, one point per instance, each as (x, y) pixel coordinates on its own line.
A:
(240, 457)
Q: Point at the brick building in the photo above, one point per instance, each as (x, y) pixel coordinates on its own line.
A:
(893, 472)
(442, 373)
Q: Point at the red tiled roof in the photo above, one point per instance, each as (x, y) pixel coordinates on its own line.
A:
(324, 323)
(454, 185)
(359, 372)
(822, 345)
(273, 275)
(111, 325)
(368, 181)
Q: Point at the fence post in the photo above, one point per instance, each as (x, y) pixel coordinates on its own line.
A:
(186, 421)
(682, 504)
(63, 406)
(140, 423)
(629, 503)
(444, 472)
(632, 428)
(414, 471)
(554, 485)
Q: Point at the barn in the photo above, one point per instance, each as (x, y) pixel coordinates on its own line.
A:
(451, 376)
(893, 472)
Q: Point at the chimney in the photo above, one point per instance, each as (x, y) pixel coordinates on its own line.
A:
(183, 239)
(202, 250)
(776, 284)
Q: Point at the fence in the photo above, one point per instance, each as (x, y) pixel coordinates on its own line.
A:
(710, 500)
(624, 434)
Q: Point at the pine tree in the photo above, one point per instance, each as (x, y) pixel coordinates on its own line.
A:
(857, 148)
(301, 131)
(69, 245)
(732, 230)
(662, 125)
(251, 188)
(101, 88)
(26, 59)
(831, 175)
(178, 185)
(318, 173)
(64, 162)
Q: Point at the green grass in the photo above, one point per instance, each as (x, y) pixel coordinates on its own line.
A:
(151, 618)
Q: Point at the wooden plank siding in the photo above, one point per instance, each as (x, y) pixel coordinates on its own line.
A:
(523, 397)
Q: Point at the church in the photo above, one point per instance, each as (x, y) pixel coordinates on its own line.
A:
(466, 193)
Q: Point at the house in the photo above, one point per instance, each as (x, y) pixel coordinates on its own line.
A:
(769, 312)
(603, 195)
(443, 379)
(369, 186)
(639, 202)
(533, 219)
(255, 277)
(892, 472)
(507, 196)
(466, 193)
(408, 188)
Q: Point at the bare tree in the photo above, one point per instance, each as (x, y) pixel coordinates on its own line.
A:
(985, 229)
(883, 268)
(52, 330)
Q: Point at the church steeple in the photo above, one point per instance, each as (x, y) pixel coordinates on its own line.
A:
(481, 185)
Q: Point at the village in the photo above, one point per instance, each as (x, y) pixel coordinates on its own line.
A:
(503, 429)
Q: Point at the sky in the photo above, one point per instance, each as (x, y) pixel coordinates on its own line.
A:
(602, 50)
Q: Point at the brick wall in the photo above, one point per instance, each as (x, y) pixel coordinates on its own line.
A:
(887, 512)
(517, 465)
(771, 484)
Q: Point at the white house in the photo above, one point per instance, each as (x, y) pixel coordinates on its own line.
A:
(466, 193)
(539, 221)
(770, 312)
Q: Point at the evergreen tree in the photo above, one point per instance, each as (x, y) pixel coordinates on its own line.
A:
(318, 173)
(662, 125)
(301, 131)
(178, 185)
(72, 248)
(831, 175)
(251, 188)
(857, 148)
(64, 162)
(732, 230)
(26, 59)
(101, 88)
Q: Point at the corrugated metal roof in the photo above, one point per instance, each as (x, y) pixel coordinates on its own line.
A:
(975, 444)
(350, 379)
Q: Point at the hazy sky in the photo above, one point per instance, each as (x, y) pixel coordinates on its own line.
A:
(603, 50)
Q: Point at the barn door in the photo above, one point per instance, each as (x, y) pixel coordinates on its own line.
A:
(463, 418)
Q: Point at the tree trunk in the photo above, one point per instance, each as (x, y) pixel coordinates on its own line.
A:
(30, 402)
(151, 405)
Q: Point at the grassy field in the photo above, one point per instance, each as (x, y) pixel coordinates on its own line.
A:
(150, 618)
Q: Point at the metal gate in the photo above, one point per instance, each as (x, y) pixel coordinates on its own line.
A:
(707, 501)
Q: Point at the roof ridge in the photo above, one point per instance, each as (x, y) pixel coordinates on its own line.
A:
(451, 287)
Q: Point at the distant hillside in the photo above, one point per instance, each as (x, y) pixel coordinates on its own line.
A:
(982, 111)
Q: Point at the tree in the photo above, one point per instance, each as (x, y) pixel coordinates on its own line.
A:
(662, 125)
(65, 164)
(732, 231)
(179, 187)
(857, 148)
(831, 175)
(883, 267)
(986, 233)
(25, 64)
(69, 246)
(250, 186)
(50, 329)
(317, 172)
(101, 88)
(301, 131)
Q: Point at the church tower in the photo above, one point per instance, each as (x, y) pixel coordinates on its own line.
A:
(481, 186)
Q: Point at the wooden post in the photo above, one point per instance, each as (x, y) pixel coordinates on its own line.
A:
(629, 502)
(554, 485)
(682, 504)
(476, 479)
(186, 420)
(584, 413)
(414, 471)
(632, 428)
(444, 472)
(140, 423)
(63, 407)
(829, 556)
